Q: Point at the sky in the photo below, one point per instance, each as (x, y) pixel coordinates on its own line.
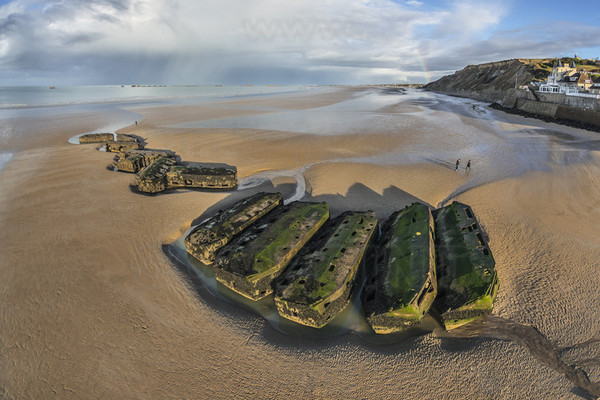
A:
(81, 42)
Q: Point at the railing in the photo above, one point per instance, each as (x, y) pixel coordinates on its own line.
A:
(591, 96)
(566, 91)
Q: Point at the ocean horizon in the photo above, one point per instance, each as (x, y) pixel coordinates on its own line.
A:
(16, 97)
(114, 103)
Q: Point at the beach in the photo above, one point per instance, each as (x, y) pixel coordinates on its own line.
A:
(93, 307)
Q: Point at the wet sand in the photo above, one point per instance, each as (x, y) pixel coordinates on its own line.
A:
(93, 308)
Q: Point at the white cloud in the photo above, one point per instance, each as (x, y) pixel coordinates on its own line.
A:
(240, 41)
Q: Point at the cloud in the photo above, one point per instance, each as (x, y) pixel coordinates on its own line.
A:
(467, 18)
(260, 41)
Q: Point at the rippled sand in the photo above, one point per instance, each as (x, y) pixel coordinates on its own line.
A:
(93, 308)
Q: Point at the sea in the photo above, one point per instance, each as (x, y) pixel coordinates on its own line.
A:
(18, 97)
(47, 101)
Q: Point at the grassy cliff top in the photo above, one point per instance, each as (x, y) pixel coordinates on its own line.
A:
(543, 66)
(490, 80)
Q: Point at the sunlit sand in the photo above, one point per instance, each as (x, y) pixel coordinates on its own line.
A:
(93, 306)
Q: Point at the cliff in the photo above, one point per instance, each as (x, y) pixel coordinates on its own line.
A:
(500, 83)
(490, 81)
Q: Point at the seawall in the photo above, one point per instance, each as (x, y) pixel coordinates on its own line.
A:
(554, 106)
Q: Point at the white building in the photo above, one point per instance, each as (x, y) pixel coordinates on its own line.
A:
(567, 80)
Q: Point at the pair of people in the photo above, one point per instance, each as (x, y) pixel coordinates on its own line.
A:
(468, 168)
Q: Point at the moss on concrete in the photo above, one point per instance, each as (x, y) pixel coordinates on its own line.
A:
(205, 239)
(467, 280)
(191, 170)
(122, 137)
(136, 160)
(249, 263)
(402, 284)
(206, 177)
(153, 179)
(317, 285)
(96, 138)
(118, 147)
(162, 175)
(106, 137)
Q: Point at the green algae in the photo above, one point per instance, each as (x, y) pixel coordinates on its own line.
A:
(402, 285)
(466, 268)
(318, 283)
(409, 256)
(303, 220)
(252, 260)
(207, 238)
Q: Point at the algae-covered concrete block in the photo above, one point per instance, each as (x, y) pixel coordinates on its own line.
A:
(164, 174)
(205, 239)
(96, 138)
(318, 283)
(402, 284)
(195, 175)
(118, 147)
(113, 142)
(251, 261)
(122, 137)
(136, 160)
(153, 178)
(467, 279)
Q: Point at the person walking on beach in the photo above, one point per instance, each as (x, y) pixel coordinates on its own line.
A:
(457, 164)
(468, 168)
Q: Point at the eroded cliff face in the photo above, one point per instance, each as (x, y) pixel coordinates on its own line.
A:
(495, 83)
(486, 82)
